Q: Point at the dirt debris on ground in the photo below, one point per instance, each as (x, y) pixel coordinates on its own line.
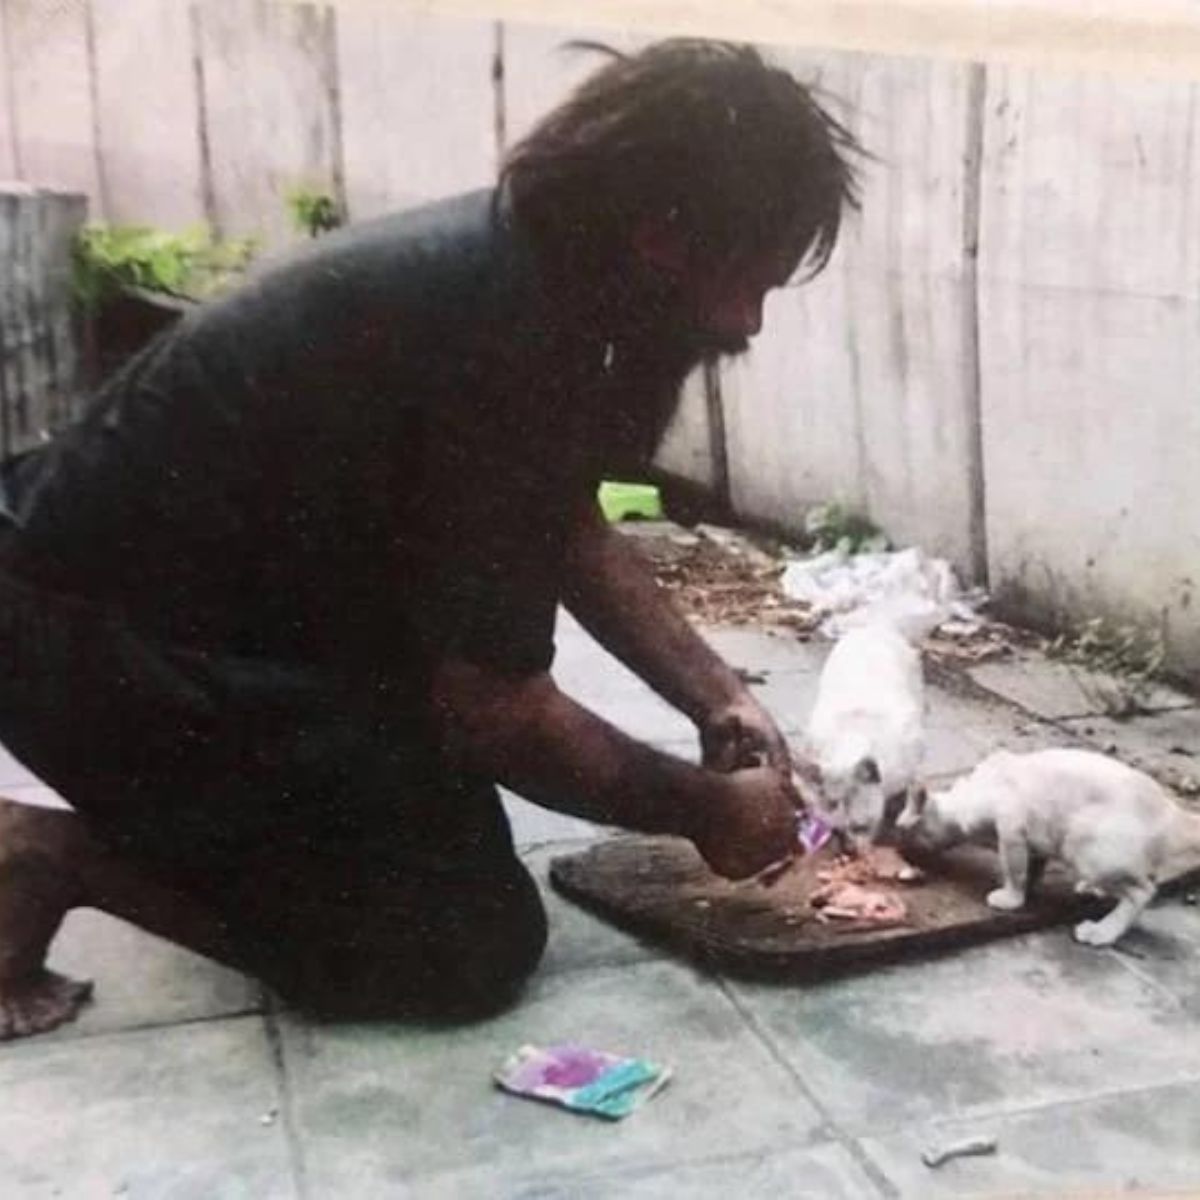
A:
(721, 576)
(957, 644)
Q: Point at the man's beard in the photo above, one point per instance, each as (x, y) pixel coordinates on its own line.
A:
(653, 302)
(708, 349)
(712, 347)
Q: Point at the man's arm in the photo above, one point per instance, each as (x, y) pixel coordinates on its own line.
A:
(613, 594)
(530, 736)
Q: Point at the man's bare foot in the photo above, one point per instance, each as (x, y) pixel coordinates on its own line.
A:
(38, 885)
(41, 1003)
(49, 864)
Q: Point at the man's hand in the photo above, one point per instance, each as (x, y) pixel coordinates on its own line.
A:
(742, 734)
(747, 822)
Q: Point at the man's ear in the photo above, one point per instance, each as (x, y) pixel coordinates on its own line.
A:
(662, 243)
(866, 771)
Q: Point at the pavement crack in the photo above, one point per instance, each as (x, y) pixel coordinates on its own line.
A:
(1127, 960)
(66, 1035)
(287, 1098)
(844, 1139)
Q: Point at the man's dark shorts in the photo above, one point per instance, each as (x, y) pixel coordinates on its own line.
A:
(354, 873)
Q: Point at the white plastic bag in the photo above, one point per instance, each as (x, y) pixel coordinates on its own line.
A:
(903, 588)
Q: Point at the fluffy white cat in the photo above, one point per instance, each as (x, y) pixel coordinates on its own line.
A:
(1114, 826)
(865, 737)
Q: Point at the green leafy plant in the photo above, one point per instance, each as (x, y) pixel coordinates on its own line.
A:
(834, 527)
(313, 212)
(1118, 664)
(110, 258)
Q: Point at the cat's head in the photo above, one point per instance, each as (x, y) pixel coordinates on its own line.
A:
(849, 794)
(923, 824)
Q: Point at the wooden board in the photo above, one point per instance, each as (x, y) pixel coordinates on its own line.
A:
(660, 888)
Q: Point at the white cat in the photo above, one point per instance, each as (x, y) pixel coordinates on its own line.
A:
(865, 737)
(1114, 826)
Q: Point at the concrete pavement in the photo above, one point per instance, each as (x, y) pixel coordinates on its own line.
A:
(183, 1081)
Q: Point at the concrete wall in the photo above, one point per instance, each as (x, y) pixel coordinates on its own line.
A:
(860, 387)
(8, 139)
(268, 97)
(1090, 348)
(146, 114)
(49, 78)
(999, 364)
(403, 142)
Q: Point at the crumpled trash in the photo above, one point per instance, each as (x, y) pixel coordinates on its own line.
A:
(583, 1080)
(904, 588)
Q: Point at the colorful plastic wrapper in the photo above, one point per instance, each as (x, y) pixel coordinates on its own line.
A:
(583, 1080)
(811, 832)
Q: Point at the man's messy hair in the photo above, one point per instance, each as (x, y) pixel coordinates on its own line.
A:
(706, 134)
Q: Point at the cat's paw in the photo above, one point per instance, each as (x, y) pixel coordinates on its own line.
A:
(1093, 933)
(1084, 888)
(1005, 899)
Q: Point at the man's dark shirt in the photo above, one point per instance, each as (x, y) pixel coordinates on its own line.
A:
(367, 457)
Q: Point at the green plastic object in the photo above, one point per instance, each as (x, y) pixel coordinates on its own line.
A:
(621, 501)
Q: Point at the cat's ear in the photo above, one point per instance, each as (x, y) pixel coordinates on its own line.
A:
(866, 771)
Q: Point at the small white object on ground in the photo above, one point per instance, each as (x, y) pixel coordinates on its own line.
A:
(964, 1149)
(903, 588)
(268, 1118)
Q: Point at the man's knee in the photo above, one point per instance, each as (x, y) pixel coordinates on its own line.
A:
(453, 956)
(482, 970)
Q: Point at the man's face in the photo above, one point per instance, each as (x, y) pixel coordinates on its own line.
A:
(718, 304)
(723, 304)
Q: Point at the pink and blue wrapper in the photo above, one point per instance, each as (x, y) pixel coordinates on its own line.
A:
(582, 1080)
